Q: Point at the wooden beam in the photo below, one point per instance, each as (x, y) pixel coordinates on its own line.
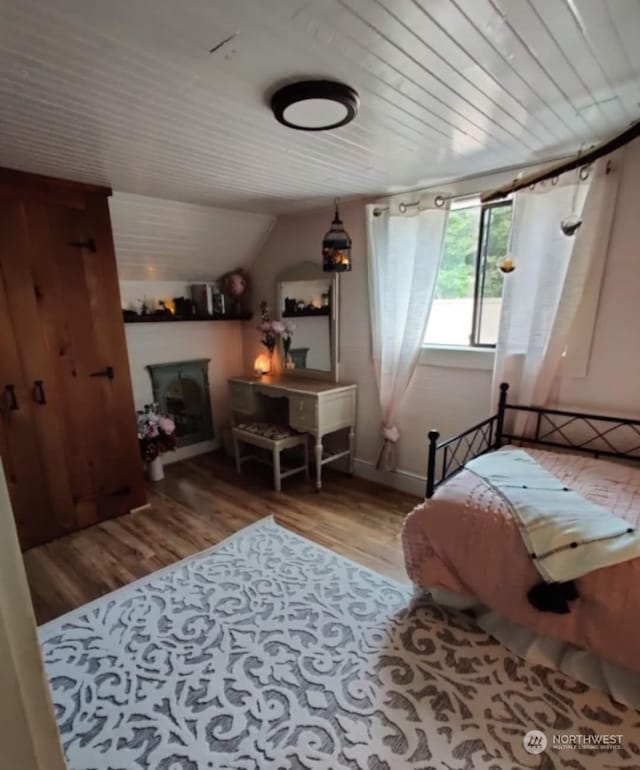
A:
(555, 169)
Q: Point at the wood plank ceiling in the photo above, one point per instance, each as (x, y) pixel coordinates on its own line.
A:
(126, 92)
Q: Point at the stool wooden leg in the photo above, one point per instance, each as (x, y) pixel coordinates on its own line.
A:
(352, 449)
(277, 481)
(318, 450)
(236, 452)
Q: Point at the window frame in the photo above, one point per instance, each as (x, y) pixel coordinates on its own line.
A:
(484, 233)
(439, 353)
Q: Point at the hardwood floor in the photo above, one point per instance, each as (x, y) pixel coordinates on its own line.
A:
(200, 502)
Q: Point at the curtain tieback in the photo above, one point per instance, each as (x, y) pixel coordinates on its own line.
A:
(390, 433)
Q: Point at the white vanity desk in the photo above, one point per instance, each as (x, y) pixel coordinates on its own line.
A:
(317, 407)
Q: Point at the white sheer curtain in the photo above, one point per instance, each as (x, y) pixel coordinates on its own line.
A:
(404, 251)
(541, 317)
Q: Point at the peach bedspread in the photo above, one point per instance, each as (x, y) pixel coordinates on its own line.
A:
(465, 540)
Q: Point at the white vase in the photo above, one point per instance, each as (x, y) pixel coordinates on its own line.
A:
(156, 469)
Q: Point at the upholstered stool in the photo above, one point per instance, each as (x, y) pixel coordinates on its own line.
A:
(274, 438)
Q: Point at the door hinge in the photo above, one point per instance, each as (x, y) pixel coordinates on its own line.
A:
(89, 244)
(108, 372)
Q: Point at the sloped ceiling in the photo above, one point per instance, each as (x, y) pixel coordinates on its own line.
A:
(168, 241)
(127, 93)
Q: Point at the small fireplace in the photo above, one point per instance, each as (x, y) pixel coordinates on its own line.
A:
(182, 390)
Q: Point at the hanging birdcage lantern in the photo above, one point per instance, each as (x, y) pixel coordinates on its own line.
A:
(336, 247)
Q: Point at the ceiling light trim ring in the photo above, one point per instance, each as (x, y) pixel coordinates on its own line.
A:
(306, 90)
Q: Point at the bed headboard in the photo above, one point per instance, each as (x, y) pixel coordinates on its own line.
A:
(595, 434)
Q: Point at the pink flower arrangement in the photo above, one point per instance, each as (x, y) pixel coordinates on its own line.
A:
(156, 432)
(272, 328)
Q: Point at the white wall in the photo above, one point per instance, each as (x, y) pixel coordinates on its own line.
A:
(451, 399)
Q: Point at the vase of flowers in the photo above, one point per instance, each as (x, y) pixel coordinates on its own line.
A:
(285, 329)
(268, 338)
(271, 329)
(156, 434)
(155, 469)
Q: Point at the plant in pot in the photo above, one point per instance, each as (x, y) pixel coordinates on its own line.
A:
(156, 434)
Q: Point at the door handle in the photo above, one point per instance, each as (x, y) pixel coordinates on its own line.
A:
(38, 392)
(107, 372)
(10, 397)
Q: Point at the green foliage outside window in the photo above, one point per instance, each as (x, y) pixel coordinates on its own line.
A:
(458, 269)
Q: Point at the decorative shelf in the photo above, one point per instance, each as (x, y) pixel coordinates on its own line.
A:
(160, 319)
(306, 313)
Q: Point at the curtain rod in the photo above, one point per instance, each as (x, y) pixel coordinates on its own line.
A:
(581, 159)
(438, 200)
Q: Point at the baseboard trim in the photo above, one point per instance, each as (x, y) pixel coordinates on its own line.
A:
(144, 507)
(185, 452)
(404, 481)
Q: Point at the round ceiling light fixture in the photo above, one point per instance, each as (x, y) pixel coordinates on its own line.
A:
(315, 105)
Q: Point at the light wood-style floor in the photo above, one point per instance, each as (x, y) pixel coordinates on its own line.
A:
(202, 501)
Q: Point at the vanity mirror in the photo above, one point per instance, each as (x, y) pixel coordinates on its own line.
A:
(307, 299)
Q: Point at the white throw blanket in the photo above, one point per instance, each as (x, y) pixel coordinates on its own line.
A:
(566, 535)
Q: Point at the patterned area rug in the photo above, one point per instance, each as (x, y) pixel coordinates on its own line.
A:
(268, 652)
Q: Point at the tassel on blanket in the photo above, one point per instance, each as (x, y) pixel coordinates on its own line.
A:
(566, 535)
(553, 597)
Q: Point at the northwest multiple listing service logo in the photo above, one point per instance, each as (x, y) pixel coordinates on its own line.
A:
(535, 741)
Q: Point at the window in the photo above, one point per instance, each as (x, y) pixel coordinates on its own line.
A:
(468, 298)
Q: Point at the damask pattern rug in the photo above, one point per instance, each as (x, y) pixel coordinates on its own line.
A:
(268, 652)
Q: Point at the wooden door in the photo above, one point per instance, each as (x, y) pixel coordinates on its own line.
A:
(61, 299)
(31, 433)
(79, 308)
(124, 486)
(19, 449)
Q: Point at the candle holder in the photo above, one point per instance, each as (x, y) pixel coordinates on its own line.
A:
(507, 266)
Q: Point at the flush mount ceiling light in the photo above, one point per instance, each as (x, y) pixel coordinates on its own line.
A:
(315, 105)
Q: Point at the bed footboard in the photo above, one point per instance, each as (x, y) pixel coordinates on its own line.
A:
(447, 458)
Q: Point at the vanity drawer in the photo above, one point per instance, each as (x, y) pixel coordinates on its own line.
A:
(303, 412)
(242, 397)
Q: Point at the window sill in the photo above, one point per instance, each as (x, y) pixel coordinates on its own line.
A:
(457, 357)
